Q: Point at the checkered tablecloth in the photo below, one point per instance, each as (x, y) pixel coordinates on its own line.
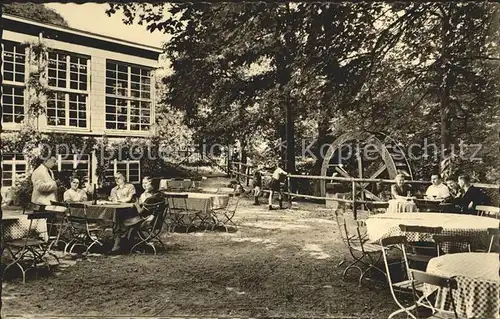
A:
(387, 225)
(401, 206)
(478, 292)
(15, 225)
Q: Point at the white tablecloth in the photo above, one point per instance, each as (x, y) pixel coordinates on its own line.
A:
(478, 292)
(200, 201)
(387, 225)
(401, 206)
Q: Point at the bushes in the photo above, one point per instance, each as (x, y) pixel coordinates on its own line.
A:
(20, 192)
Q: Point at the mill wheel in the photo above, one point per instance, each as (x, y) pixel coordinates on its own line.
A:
(365, 155)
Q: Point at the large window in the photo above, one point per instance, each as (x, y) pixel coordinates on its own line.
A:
(12, 166)
(130, 169)
(14, 76)
(128, 97)
(69, 163)
(68, 77)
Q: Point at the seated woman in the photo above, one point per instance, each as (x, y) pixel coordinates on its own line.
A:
(75, 194)
(151, 196)
(401, 190)
(123, 192)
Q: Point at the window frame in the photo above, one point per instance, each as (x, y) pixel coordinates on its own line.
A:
(128, 98)
(13, 162)
(114, 169)
(68, 91)
(13, 83)
(74, 161)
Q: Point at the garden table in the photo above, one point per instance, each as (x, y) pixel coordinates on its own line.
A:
(197, 206)
(103, 210)
(478, 292)
(476, 227)
(16, 224)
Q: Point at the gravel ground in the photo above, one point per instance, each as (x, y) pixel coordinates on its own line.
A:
(278, 263)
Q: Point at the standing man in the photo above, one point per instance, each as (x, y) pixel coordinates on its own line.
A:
(437, 190)
(257, 184)
(44, 183)
(279, 176)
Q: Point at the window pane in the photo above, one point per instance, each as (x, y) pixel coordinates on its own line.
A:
(12, 104)
(14, 62)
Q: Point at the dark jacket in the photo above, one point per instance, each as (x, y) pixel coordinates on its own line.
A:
(474, 195)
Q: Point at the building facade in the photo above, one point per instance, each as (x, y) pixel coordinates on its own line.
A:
(99, 86)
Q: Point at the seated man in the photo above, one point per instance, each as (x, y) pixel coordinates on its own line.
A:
(472, 196)
(437, 190)
(75, 194)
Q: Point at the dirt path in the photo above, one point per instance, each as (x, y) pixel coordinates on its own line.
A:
(279, 263)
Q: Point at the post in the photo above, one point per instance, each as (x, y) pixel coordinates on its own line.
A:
(248, 175)
(354, 212)
(289, 192)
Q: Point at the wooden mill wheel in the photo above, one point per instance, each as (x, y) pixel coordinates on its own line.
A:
(365, 155)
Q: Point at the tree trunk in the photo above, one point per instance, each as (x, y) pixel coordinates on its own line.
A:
(445, 79)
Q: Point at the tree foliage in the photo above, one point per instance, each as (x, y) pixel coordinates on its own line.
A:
(35, 11)
(414, 70)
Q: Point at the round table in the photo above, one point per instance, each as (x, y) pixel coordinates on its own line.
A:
(387, 225)
(478, 292)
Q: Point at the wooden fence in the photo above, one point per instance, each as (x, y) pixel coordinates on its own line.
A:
(244, 173)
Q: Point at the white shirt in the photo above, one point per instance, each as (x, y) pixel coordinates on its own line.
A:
(278, 172)
(75, 196)
(441, 191)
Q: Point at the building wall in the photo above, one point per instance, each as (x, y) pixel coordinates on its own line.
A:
(96, 103)
(96, 99)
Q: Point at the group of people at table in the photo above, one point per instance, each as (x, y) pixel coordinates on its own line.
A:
(458, 195)
(45, 194)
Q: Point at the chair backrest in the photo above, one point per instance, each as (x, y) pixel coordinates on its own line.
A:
(158, 210)
(439, 281)
(177, 202)
(457, 241)
(233, 202)
(388, 243)
(427, 278)
(488, 211)
(420, 229)
(494, 233)
(40, 215)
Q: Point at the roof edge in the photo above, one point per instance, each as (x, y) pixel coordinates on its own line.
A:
(83, 32)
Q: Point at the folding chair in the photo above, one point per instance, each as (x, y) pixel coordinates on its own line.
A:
(405, 286)
(420, 251)
(488, 211)
(455, 243)
(442, 282)
(227, 213)
(85, 232)
(178, 211)
(62, 224)
(29, 252)
(365, 254)
(149, 231)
